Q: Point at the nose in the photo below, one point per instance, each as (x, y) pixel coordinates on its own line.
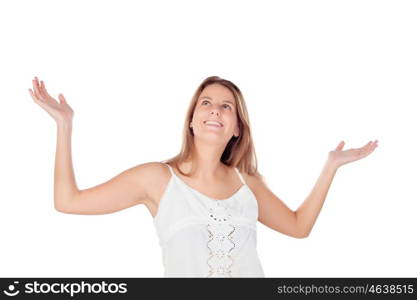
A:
(215, 111)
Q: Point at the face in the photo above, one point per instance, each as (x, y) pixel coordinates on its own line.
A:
(216, 103)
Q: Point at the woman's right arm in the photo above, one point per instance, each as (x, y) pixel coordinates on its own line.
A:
(122, 191)
(65, 187)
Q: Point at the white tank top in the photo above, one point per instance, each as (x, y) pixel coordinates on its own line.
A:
(205, 237)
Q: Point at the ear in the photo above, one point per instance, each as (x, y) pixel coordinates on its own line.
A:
(236, 133)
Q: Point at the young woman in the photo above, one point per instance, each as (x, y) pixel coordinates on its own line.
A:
(205, 201)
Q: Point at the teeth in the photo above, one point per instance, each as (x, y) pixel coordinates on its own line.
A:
(214, 123)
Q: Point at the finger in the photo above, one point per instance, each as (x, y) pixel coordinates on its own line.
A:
(39, 90)
(364, 148)
(37, 101)
(36, 89)
(44, 91)
(62, 98)
(33, 95)
(42, 88)
(367, 147)
(34, 85)
(371, 147)
(340, 146)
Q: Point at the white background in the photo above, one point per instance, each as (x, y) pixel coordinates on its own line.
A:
(313, 73)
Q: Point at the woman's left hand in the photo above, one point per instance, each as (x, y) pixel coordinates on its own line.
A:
(339, 157)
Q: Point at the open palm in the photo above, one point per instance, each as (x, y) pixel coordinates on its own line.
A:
(59, 111)
(339, 157)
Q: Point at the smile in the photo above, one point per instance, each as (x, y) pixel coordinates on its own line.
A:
(213, 123)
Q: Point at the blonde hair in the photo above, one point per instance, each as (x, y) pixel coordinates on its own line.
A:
(239, 151)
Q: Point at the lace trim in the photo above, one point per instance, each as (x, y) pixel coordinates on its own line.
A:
(220, 242)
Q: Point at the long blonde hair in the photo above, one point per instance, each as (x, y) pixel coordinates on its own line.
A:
(239, 151)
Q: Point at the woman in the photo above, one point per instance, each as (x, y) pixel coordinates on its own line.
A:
(205, 201)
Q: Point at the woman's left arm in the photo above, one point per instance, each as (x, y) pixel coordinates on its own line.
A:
(309, 210)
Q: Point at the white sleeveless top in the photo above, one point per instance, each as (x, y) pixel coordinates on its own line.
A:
(204, 237)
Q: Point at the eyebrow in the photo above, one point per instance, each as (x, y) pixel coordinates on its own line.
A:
(212, 99)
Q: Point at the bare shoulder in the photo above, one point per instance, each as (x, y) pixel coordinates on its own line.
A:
(255, 182)
(152, 170)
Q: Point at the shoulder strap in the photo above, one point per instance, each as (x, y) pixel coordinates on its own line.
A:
(170, 168)
(240, 175)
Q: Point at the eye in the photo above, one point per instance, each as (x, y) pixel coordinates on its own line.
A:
(227, 105)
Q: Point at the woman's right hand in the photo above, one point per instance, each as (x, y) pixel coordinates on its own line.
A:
(61, 112)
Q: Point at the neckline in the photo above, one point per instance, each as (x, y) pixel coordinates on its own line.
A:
(204, 195)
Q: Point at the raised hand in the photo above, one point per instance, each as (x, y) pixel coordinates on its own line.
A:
(60, 111)
(339, 157)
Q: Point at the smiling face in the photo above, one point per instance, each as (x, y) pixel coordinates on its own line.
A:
(215, 114)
